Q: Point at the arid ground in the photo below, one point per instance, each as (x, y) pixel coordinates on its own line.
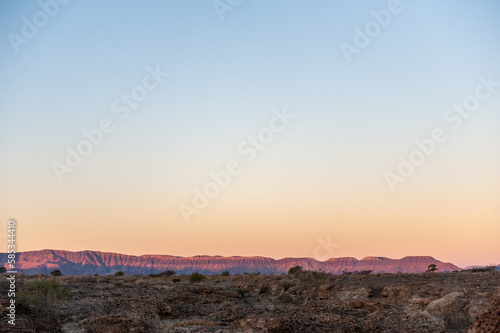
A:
(428, 302)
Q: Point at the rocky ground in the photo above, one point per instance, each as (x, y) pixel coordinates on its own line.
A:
(429, 302)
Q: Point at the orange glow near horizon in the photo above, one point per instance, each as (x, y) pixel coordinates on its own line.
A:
(314, 131)
(450, 228)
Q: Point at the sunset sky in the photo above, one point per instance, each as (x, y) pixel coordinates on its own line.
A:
(311, 113)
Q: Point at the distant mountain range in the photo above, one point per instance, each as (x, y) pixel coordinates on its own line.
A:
(105, 263)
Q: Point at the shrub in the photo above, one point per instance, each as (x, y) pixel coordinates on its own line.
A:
(311, 281)
(295, 270)
(285, 299)
(41, 296)
(56, 272)
(3, 270)
(176, 280)
(242, 292)
(196, 277)
(226, 273)
(287, 285)
(483, 270)
(168, 273)
(119, 273)
(366, 272)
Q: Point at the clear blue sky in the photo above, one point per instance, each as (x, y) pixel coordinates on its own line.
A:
(225, 77)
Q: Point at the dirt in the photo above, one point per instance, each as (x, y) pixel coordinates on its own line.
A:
(430, 302)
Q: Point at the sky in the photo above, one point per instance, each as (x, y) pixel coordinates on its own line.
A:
(282, 129)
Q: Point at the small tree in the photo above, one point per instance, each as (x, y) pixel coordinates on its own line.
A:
(119, 273)
(295, 270)
(225, 273)
(56, 272)
(431, 268)
(196, 277)
(3, 270)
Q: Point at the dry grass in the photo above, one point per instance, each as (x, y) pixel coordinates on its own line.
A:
(453, 302)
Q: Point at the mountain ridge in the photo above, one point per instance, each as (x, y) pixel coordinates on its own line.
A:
(104, 263)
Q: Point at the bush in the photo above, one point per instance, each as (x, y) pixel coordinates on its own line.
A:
(482, 270)
(119, 273)
(242, 292)
(287, 285)
(176, 280)
(311, 281)
(153, 275)
(226, 273)
(285, 299)
(3, 270)
(56, 272)
(196, 277)
(41, 296)
(366, 272)
(295, 270)
(168, 273)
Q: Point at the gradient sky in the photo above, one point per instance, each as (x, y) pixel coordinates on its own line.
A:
(320, 178)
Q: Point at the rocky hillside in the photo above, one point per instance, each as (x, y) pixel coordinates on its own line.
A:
(461, 302)
(105, 263)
